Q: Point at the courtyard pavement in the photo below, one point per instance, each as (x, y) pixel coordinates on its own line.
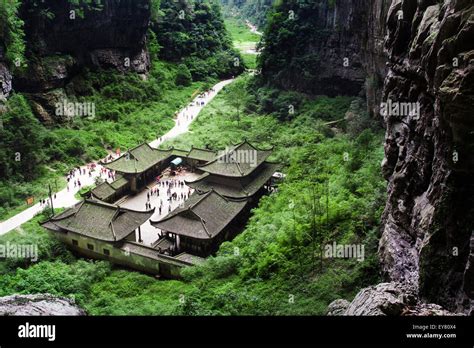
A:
(138, 201)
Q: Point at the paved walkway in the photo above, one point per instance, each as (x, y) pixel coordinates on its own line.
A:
(65, 198)
(189, 113)
(137, 202)
(253, 28)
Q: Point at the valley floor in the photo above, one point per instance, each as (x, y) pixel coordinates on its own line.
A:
(333, 192)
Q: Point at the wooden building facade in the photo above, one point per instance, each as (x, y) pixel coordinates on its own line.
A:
(104, 231)
(202, 224)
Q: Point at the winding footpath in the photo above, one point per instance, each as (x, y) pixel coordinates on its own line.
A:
(253, 28)
(66, 198)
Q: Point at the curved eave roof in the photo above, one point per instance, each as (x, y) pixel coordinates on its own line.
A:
(99, 220)
(225, 165)
(203, 216)
(138, 159)
(205, 184)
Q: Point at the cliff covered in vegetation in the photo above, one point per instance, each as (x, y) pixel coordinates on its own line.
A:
(255, 11)
(405, 52)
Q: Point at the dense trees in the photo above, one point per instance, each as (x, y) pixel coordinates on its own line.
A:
(302, 51)
(22, 139)
(253, 10)
(11, 33)
(193, 32)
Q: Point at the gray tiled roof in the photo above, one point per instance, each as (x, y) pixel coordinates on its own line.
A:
(138, 159)
(202, 216)
(105, 190)
(201, 154)
(242, 188)
(99, 220)
(237, 162)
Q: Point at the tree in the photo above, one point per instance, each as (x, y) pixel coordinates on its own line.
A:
(11, 32)
(22, 140)
(183, 77)
(239, 98)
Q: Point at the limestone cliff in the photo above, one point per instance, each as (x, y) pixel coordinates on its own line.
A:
(5, 83)
(316, 47)
(428, 218)
(426, 248)
(63, 39)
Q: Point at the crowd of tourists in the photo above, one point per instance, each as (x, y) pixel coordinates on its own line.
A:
(167, 193)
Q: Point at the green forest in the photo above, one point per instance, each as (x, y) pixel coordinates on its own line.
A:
(329, 147)
(255, 11)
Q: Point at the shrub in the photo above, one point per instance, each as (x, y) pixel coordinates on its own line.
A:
(183, 77)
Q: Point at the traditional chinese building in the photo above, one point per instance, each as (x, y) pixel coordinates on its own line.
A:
(202, 224)
(141, 165)
(111, 192)
(105, 231)
(231, 184)
(240, 172)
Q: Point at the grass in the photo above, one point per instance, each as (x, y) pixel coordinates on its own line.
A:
(38, 189)
(244, 40)
(240, 32)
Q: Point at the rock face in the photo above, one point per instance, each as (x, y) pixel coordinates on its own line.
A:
(318, 51)
(373, 54)
(393, 299)
(90, 35)
(5, 82)
(428, 218)
(328, 47)
(338, 307)
(427, 243)
(63, 39)
(37, 305)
